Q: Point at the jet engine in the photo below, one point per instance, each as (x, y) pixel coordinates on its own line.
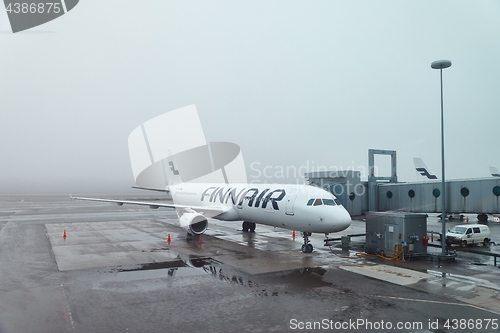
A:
(194, 223)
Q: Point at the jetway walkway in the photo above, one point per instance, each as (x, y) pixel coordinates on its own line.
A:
(474, 196)
(481, 196)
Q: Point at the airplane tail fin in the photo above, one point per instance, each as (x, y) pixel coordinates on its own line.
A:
(422, 169)
(494, 171)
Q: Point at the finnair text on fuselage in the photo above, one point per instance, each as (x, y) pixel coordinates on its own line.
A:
(255, 196)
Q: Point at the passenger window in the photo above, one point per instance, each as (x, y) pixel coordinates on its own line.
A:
(476, 230)
(310, 202)
(328, 202)
(469, 231)
(317, 202)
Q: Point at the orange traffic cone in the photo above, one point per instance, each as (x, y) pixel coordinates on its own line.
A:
(293, 235)
(168, 239)
(467, 219)
(64, 234)
(200, 240)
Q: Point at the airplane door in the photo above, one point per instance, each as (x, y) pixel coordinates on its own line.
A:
(290, 201)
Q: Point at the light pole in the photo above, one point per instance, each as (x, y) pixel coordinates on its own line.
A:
(441, 64)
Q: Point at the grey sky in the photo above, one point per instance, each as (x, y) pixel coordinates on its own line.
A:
(294, 83)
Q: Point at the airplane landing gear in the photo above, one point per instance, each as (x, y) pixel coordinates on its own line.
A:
(248, 226)
(307, 247)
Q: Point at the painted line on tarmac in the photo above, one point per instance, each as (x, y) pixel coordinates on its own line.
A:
(436, 302)
(67, 310)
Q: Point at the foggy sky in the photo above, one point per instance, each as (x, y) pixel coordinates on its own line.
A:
(296, 84)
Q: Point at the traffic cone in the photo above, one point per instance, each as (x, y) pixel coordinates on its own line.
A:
(200, 240)
(293, 235)
(64, 234)
(168, 239)
(466, 219)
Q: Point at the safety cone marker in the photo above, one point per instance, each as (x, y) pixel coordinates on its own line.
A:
(293, 235)
(200, 240)
(168, 239)
(64, 234)
(467, 219)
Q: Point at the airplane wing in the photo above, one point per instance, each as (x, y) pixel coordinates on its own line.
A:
(166, 190)
(213, 210)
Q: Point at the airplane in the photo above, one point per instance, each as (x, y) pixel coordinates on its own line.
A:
(303, 208)
(175, 164)
(423, 169)
(426, 172)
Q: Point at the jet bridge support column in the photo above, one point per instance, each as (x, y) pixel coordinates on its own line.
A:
(372, 179)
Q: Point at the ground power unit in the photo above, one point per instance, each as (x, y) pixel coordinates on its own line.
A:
(397, 235)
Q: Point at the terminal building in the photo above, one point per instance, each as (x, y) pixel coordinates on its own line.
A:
(472, 196)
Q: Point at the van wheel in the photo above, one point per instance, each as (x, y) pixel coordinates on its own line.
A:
(486, 242)
(464, 244)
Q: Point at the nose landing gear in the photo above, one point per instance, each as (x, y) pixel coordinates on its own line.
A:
(248, 226)
(307, 247)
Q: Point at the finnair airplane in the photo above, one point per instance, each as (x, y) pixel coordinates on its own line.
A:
(426, 172)
(207, 180)
(302, 208)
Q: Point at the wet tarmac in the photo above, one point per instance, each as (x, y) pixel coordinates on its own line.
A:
(116, 272)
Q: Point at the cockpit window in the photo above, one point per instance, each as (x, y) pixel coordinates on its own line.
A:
(329, 202)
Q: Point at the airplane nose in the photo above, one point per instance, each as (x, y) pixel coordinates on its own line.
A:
(346, 219)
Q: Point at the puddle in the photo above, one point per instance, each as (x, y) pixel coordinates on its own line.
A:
(272, 285)
(193, 266)
(154, 266)
(156, 274)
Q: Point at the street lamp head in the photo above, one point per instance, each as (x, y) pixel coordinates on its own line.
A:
(441, 64)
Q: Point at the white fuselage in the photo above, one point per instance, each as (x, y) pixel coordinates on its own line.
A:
(296, 207)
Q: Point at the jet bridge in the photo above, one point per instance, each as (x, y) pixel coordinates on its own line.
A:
(346, 185)
(477, 196)
(480, 196)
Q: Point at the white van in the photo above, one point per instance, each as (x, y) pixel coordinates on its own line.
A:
(466, 234)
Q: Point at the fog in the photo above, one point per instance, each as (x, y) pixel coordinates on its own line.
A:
(298, 85)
